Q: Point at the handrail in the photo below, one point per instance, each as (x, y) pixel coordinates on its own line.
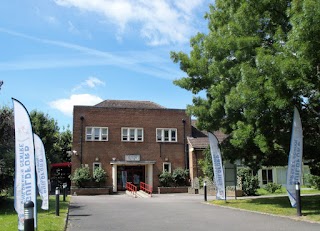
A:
(146, 188)
(131, 188)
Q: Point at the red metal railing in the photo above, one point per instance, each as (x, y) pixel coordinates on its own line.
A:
(145, 187)
(131, 188)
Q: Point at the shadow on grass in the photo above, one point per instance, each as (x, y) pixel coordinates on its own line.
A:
(7, 206)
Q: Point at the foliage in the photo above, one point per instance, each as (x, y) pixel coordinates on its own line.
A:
(99, 175)
(272, 187)
(6, 149)
(180, 177)
(56, 144)
(165, 179)
(81, 176)
(205, 164)
(314, 181)
(250, 183)
(257, 61)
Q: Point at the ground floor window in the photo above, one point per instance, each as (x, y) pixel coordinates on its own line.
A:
(267, 176)
(166, 167)
(95, 166)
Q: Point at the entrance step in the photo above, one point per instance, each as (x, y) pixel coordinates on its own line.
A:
(140, 194)
(131, 194)
(143, 194)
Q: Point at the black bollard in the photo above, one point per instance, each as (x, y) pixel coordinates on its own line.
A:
(298, 199)
(28, 216)
(57, 200)
(205, 190)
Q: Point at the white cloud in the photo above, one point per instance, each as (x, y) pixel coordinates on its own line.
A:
(91, 82)
(66, 105)
(160, 22)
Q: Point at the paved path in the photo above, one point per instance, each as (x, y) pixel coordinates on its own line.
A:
(169, 212)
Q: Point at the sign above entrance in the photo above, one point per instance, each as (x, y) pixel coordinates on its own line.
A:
(132, 158)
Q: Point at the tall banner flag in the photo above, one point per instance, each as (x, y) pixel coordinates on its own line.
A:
(42, 172)
(217, 166)
(295, 157)
(25, 177)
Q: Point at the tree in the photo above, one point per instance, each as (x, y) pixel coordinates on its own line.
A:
(257, 61)
(64, 145)
(56, 144)
(6, 148)
(205, 164)
(47, 129)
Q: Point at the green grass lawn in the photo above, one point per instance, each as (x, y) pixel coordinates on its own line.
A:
(47, 220)
(283, 191)
(278, 206)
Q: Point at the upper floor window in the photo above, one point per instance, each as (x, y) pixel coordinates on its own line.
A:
(132, 134)
(96, 134)
(166, 135)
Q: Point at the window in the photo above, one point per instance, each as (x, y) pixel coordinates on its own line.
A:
(267, 176)
(166, 135)
(96, 165)
(96, 134)
(132, 134)
(166, 167)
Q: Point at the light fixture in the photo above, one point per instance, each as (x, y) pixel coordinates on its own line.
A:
(97, 159)
(75, 152)
(113, 158)
(166, 159)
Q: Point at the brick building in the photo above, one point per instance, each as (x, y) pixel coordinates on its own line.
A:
(131, 140)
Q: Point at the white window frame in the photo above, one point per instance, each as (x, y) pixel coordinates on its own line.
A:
(169, 166)
(100, 136)
(166, 138)
(267, 175)
(129, 134)
(94, 166)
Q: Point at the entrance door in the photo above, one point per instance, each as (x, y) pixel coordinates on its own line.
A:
(133, 174)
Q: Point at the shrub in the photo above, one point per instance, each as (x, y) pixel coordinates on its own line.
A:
(99, 175)
(180, 177)
(272, 187)
(165, 179)
(250, 183)
(81, 176)
(314, 181)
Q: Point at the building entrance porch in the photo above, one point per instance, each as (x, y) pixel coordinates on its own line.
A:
(134, 172)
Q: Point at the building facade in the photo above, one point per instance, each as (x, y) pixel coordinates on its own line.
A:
(133, 141)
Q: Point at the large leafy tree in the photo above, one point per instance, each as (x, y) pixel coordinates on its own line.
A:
(6, 148)
(257, 61)
(56, 144)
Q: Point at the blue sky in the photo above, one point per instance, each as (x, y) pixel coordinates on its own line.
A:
(60, 53)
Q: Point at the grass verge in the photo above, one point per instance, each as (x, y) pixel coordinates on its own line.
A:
(283, 191)
(47, 220)
(278, 206)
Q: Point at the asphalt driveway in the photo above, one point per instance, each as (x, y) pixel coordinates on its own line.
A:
(169, 212)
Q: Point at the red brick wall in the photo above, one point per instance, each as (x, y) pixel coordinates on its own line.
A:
(149, 149)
